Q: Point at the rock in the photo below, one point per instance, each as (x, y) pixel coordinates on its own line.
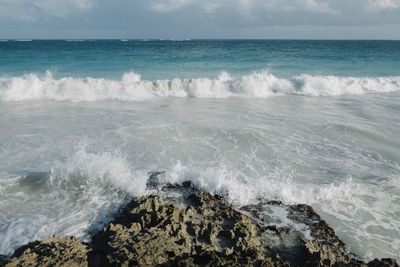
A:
(56, 251)
(160, 231)
(195, 228)
(383, 263)
(324, 248)
(3, 260)
(153, 182)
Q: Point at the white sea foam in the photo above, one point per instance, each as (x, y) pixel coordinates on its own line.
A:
(132, 88)
(79, 195)
(107, 169)
(241, 191)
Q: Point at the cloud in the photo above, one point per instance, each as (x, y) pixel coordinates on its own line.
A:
(384, 4)
(248, 13)
(255, 13)
(62, 8)
(170, 5)
(210, 6)
(199, 18)
(318, 7)
(31, 10)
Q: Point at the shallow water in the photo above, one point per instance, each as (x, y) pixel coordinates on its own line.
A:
(67, 166)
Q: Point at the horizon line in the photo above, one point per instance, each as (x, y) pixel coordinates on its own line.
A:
(193, 39)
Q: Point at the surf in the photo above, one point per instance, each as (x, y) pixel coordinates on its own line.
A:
(131, 87)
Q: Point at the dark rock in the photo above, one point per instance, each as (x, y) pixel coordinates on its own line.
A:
(187, 184)
(274, 202)
(3, 260)
(153, 182)
(383, 263)
(325, 249)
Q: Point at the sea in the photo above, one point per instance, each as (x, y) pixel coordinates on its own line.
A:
(84, 122)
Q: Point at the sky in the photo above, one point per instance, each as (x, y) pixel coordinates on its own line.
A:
(202, 19)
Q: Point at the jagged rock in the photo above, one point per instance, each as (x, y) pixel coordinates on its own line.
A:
(56, 251)
(206, 231)
(185, 227)
(324, 248)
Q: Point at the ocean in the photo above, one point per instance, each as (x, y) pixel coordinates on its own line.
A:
(84, 122)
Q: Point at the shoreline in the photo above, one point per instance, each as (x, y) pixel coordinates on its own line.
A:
(182, 226)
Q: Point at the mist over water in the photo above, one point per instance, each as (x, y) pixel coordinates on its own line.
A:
(74, 147)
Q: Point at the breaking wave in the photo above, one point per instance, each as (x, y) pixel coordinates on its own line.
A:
(132, 88)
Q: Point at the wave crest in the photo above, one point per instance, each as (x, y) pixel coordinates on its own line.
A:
(132, 88)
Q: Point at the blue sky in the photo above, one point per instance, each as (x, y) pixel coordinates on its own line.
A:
(297, 19)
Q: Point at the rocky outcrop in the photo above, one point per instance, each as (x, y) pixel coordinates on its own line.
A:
(202, 231)
(181, 226)
(56, 251)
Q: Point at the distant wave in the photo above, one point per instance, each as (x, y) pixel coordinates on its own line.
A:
(163, 40)
(131, 87)
(75, 40)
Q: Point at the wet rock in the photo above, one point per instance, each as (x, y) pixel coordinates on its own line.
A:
(3, 260)
(325, 248)
(383, 263)
(204, 231)
(153, 181)
(56, 251)
(183, 226)
(321, 248)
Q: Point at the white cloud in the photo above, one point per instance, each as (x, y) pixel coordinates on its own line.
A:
(170, 5)
(384, 4)
(202, 16)
(211, 7)
(30, 10)
(257, 13)
(61, 8)
(244, 7)
(318, 6)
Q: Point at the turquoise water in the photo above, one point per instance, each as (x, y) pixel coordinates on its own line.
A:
(199, 58)
(82, 123)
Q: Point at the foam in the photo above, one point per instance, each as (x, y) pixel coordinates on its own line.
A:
(106, 169)
(76, 198)
(132, 88)
(241, 191)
